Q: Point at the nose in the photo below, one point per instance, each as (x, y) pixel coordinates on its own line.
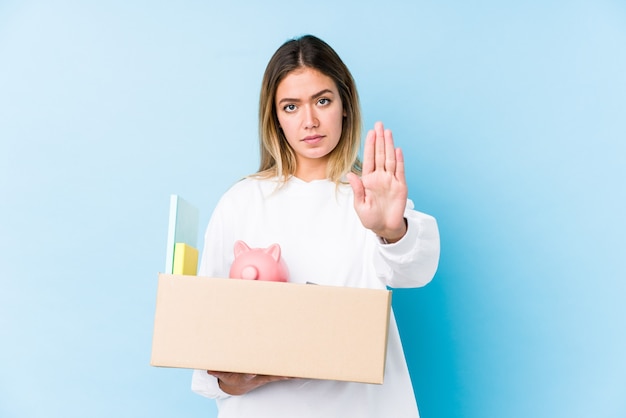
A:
(310, 118)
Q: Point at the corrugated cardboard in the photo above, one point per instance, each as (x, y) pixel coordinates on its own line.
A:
(282, 329)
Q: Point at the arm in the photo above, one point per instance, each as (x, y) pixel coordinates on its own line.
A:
(408, 250)
(412, 261)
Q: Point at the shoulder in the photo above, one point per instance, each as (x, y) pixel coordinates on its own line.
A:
(246, 190)
(252, 184)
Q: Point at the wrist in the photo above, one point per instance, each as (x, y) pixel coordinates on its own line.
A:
(391, 237)
(228, 389)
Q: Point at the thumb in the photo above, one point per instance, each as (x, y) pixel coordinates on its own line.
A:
(357, 187)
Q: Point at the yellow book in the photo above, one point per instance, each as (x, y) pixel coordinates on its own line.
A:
(185, 259)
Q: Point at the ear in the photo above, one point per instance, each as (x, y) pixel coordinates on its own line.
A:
(274, 251)
(240, 248)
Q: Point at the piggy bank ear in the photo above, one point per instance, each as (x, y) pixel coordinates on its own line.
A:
(240, 248)
(274, 251)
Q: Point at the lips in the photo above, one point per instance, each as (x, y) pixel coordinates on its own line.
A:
(313, 139)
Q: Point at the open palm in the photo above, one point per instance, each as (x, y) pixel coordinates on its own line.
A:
(380, 194)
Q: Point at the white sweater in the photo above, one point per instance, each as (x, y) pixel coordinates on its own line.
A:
(322, 241)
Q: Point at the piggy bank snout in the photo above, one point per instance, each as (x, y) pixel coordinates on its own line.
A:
(250, 273)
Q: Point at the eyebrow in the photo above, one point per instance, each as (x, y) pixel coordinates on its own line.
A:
(318, 94)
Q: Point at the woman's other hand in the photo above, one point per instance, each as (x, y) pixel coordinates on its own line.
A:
(380, 194)
(241, 383)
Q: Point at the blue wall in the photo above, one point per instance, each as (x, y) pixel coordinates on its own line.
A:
(512, 117)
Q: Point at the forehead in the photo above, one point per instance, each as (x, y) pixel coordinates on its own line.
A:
(303, 83)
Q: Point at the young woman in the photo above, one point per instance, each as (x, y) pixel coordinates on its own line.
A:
(338, 222)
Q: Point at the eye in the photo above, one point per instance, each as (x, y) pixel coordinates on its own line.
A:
(323, 101)
(289, 108)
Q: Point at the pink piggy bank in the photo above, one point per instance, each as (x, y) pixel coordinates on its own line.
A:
(258, 263)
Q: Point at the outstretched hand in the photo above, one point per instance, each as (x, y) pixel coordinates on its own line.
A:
(381, 192)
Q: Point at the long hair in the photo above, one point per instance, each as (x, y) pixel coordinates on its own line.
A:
(277, 157)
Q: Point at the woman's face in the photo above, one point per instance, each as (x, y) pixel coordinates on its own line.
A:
(310, 114)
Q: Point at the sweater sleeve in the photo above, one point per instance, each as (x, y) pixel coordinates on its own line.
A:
(412, 261)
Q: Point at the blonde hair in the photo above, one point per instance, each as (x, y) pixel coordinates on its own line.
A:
(277, 157)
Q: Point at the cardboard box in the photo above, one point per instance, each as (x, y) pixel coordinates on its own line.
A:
(282, 329)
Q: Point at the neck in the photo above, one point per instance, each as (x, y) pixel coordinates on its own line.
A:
(309, 171)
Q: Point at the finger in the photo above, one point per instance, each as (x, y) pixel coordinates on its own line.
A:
(400, 175)
(379, 146)
(268, 379)
(368, 152)
(232, 378)
(390, 155)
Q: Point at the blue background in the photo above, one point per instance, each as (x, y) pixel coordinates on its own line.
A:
(512, 116)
